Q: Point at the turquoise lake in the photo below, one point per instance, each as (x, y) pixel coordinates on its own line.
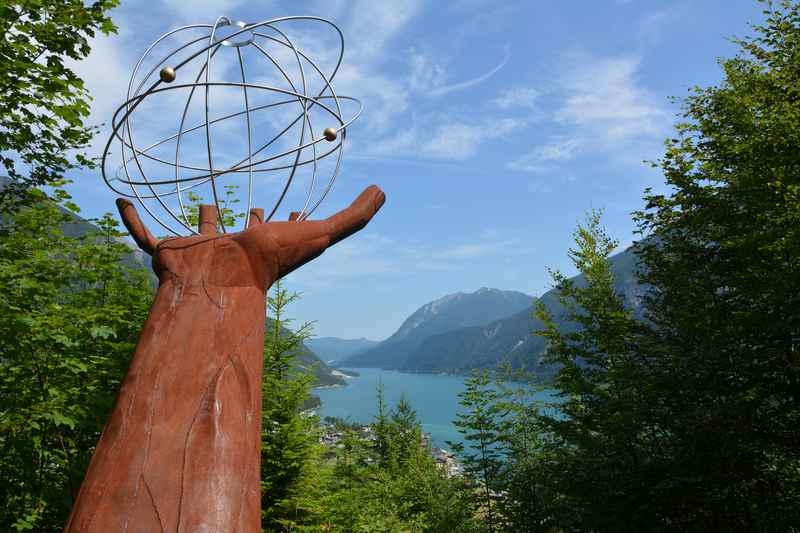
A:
(433, 396)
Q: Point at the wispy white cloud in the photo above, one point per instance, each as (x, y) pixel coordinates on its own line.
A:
(460, 86)
(452, 140)
(459, 141)
(489, 243)
(653, 26)
(605, 99)
(518, 98)
(363, 73)
(376, 23)
(601, 106)
(365, 255)
(105, 75)
(467, 251)
(382, 95)
(428, 74)
(425, 72)
(559, 149)
(375, 254)
(545, 157)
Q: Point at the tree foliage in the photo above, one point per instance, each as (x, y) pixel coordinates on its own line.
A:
(395, 486)
(70, 316)
(595, 441)
(723, 258)
(45, 104)
(688, 420)
(290, 438)
(483, 426)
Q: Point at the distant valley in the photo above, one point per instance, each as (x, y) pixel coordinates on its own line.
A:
(332, 349)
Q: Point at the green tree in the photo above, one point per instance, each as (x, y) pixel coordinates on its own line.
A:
(595, 441)
(688, 420)
(398, 488)
(723, 258)
(383, 429)
(483, 424)
(70, 316)
(290, 438)
(398, 434)
(45, 104)
(349, 500)
(407, 439)
(427, 499)
(227, 207)
(525, 501)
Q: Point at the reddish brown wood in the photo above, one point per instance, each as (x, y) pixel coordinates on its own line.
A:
(256, 216)
(181, 449)
(208, 220)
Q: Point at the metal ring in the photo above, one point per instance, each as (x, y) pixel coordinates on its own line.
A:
(264, 153)
(237, 44)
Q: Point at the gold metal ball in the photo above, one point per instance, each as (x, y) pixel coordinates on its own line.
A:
(330, 134)
(167, 74)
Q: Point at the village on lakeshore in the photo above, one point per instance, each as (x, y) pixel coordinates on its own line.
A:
(335, 431)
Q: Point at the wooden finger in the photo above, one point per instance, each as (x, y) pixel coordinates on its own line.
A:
(208, 220)
(144, 239)
(357, 215)
(256, 217)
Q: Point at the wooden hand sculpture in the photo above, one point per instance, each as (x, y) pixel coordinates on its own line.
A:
(181, 450)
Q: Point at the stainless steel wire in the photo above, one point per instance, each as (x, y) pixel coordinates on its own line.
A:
(245, 41)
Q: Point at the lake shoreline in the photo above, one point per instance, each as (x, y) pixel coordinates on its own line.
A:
(433, 396)
(344, 370)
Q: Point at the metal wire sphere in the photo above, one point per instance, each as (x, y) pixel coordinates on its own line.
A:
(176, 178)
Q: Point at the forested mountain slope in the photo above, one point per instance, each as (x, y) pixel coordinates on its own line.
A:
(487, 343)
(454, 311)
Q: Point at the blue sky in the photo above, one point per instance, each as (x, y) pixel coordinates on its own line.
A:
(492, 126)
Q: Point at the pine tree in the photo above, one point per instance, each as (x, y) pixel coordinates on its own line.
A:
(526, 498)
(482, 425)
(290, 437)
(383, 429)
(597, 441)
(407, 440)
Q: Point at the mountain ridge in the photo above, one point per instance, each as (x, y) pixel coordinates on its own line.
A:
(331, 349)
(508, 339)
(452, 311)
